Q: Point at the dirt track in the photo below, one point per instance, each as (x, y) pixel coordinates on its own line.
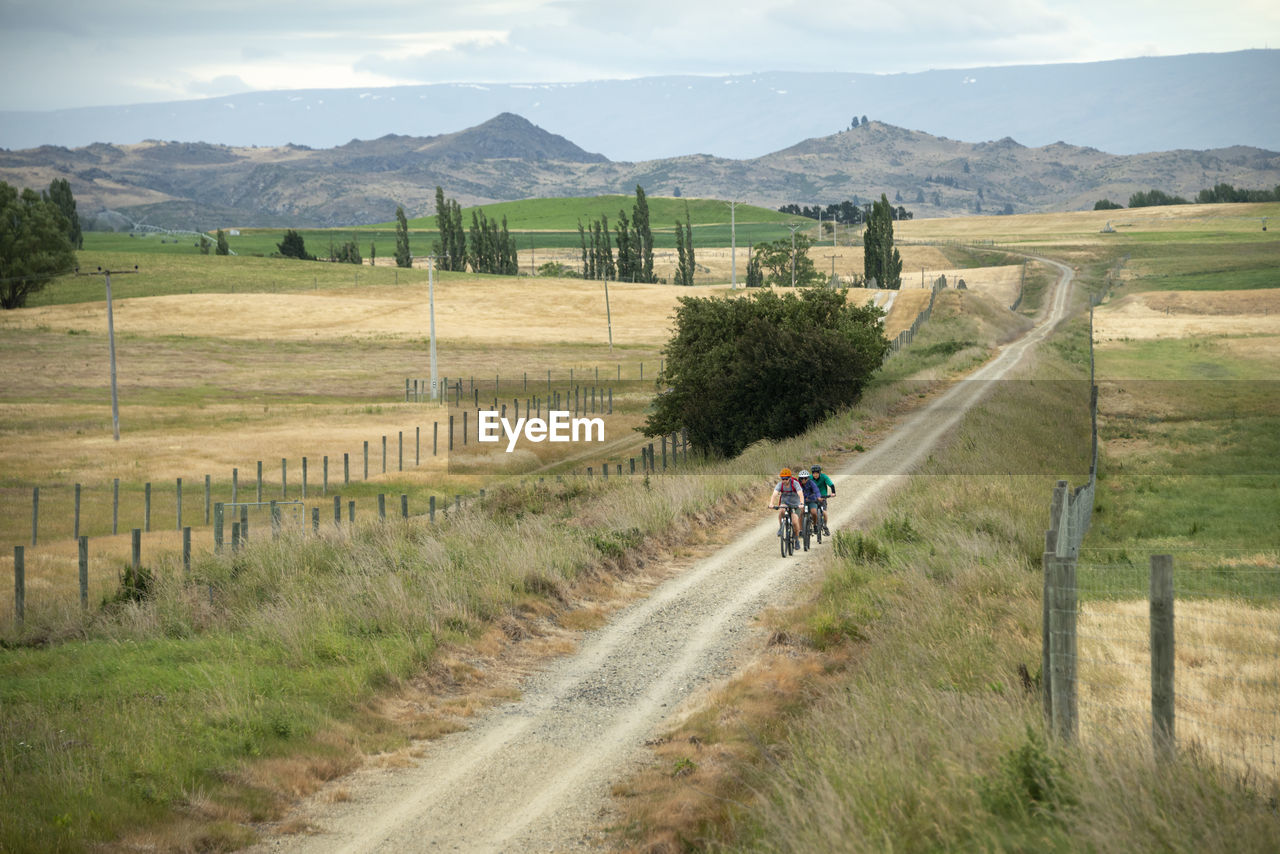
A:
(534, 775)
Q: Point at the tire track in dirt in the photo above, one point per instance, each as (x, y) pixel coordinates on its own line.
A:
(534, 775)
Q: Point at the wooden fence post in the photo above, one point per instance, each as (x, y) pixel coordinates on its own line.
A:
(1162, 661)
(83, 543)
(431, 509)
(19, 584)
(382, 507)
(186, 553)
(76, 525)
(324, 475)
(259, 498)
(146, 507)
(178, 503)
(304, 478)
(404, 506)
(337, 511)
(136, 558)
(366, 459)
(219, 510)
(115, 506)
(208, 497)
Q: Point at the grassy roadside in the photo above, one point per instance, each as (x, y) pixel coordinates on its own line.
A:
(890, 712)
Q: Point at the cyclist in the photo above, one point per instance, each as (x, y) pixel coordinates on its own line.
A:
(812, 497)
(826, 487)
(789, 493)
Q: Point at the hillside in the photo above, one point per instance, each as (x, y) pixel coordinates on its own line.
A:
(204, 186)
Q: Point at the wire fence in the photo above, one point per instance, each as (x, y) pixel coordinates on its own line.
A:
(1221, 691)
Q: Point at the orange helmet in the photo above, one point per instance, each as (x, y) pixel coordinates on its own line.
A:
(785, 473)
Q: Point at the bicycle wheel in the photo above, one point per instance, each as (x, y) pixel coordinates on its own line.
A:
(805, 531)
(782, 540)
(818, 527)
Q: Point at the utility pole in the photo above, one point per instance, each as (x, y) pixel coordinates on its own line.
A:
(431, 301)
(608, 315)
(793, 252)
(733, 247)
(111, 345)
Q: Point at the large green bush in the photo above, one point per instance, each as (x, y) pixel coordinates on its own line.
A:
(763, 366)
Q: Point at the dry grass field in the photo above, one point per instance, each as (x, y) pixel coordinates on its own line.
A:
(1183, 314)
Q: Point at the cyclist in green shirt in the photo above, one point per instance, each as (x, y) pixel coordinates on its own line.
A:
(825, 487)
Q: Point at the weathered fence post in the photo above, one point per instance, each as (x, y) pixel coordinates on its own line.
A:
(275, 520)
(304, 478)
(219, 511)
(337, 511)
(208, 497)
(324, 475)
(35, 514)
(431, 509)
(382, 507)
(19, 584)
(351, 512)
(178, 502)
(404, 506)
(284, 478)
(346, 468)
(186, 553)
(115, 506)
(315, 520)
(146, 507)
(1162, 661)
(259, 498)
(76, 526)
(83, 562)
(401, 447)
(136, 559)
(366, 459)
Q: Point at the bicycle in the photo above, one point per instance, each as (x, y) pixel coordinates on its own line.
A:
(787, 542)
(809, 529)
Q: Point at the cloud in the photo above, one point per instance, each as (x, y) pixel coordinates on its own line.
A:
(224, 84)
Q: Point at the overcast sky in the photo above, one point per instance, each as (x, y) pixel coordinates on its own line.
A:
(75, 53)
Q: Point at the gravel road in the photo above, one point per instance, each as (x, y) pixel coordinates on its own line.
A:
(534, 775)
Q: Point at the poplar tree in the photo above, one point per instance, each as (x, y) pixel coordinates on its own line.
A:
(643, 236)
(404, 258)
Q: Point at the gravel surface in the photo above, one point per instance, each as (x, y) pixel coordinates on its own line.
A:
(534, 775)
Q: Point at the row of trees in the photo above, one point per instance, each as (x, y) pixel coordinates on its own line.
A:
(1220, 193)
(39, 233)
(849, 212)
(634, 240)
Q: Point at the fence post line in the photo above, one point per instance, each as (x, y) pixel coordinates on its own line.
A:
(115, 506)
(1162, 660)
(83, 543)
(146, 507)
(19, 584)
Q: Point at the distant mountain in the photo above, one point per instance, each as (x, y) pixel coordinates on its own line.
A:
(203, 186)
(1195, 101)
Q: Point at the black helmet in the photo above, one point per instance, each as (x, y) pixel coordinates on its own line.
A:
(815, 469)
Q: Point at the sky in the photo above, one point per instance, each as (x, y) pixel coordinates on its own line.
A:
(59, 54)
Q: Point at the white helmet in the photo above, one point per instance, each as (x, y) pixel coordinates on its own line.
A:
(803, 473)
